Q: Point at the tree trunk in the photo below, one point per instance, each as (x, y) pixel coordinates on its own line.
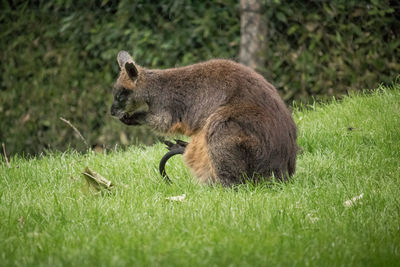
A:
(253, 33)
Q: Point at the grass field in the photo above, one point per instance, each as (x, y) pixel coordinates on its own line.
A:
(349, 148)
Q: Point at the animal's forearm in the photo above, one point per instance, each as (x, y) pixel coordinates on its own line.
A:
(137, 118)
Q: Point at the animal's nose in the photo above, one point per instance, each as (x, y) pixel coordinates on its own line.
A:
(112, 111)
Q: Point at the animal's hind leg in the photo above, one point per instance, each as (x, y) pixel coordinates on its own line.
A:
(229, 165)
(197, 158)
(232, 153)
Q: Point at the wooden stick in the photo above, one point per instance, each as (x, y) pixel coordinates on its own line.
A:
(75, 129)
(96, 181)
(5, 154)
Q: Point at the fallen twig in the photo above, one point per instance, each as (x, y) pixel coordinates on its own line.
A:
(75, 129)
(177, 198)
(96, 181)
(5, 155)
(352, 202)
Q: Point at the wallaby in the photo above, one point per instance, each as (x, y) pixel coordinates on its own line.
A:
(239, 126)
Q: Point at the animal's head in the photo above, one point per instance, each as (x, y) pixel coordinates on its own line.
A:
(126, 100)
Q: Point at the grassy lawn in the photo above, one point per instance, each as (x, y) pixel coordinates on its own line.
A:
(350, 148)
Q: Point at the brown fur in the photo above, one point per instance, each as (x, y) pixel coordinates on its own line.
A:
(239, 125)
(197, 157)
(181, 128)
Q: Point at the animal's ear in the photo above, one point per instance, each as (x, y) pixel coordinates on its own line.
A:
(131, 70)
(125, 61)
(123, 58)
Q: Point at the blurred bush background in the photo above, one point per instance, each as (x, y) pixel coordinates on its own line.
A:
(58, 58)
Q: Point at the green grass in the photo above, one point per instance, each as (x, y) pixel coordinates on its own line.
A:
(47, 218)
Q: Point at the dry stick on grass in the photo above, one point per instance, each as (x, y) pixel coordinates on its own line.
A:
(5, 154)
(75, 130)
(96, 181)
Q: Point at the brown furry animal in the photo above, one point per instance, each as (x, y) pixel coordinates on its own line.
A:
(239, 126)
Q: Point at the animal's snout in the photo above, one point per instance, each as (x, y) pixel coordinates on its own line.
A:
(113, 111)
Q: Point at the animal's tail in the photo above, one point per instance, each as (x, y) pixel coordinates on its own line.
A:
(174, 149)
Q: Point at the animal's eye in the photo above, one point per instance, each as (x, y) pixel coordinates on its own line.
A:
(123, 94)
(119, 96)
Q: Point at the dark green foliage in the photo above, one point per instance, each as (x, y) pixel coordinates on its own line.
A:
(327, 48)
(58, 58)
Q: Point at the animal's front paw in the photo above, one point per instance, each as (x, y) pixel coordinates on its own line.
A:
(179, 145)
(137, 118)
